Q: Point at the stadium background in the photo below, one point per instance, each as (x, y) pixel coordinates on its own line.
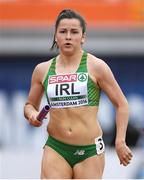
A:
(115, 33)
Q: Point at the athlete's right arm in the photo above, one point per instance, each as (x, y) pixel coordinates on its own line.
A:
(31, 107)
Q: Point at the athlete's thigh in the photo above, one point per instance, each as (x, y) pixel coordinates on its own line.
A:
(54, 166)
(90, 168)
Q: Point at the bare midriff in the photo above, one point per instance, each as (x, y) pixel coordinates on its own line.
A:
(77, 126)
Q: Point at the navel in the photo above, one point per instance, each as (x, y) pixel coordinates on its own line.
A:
(70, 130)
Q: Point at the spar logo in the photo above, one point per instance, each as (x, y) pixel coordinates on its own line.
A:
(63, 78)
(82, 77)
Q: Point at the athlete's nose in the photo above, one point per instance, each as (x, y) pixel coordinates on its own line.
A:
(68, 35)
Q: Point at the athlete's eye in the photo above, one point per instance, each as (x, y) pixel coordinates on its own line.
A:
(75, 32)
(62, 31)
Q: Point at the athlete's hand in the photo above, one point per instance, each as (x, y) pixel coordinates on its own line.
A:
(124, 153)
(34, 121)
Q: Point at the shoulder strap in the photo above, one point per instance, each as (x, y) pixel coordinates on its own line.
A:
(52, 67)
(51, 71)
(83, 64)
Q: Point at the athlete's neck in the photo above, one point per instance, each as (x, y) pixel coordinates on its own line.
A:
(67, 60)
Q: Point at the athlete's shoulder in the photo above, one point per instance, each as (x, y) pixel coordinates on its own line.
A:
(97, 62)
(101, 68)
(43, 65)
(41, 69)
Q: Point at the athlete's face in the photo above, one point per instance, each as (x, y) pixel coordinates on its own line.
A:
(69, 36)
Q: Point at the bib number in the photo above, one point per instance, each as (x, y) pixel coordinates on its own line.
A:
(68, 90)
(100, 147)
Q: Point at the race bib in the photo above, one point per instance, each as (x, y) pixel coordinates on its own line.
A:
(68, 90)
(100, 147)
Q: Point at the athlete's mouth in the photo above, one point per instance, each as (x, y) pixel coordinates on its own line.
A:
(68, 44)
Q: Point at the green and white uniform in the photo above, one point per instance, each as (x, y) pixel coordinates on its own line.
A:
(71, 89)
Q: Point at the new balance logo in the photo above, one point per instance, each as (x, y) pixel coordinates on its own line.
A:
(79, 152)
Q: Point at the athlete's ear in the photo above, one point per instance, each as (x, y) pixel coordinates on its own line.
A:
(55, 37)
(83, 38)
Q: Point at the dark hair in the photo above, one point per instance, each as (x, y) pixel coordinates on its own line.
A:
(68, 14)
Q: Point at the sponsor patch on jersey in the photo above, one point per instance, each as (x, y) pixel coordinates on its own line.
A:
(63, 78)
(68, 90)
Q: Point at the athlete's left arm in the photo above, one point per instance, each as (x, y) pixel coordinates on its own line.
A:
(109, 85)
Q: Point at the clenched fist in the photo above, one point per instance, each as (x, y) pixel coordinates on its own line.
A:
(124, 153)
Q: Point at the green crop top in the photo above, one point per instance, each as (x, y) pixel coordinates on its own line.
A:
(71, 89)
